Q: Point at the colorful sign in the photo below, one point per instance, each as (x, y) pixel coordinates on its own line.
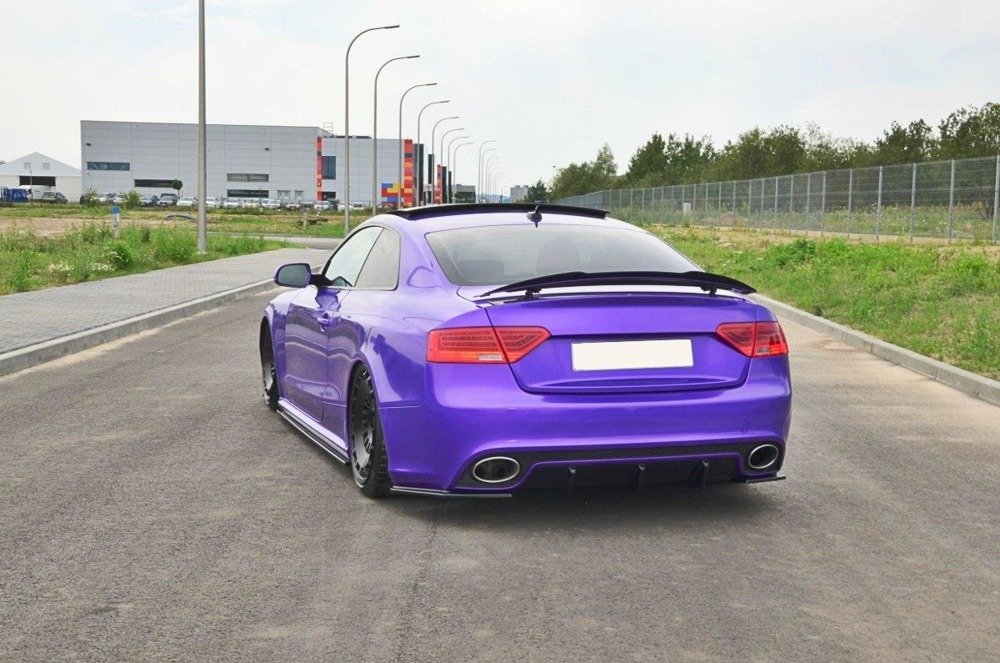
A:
(319, 168)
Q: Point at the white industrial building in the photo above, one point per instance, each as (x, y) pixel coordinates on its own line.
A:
(42, 173)
(285, 163)
(518, 192)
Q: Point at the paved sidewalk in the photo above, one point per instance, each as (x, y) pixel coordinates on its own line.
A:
(29, 318)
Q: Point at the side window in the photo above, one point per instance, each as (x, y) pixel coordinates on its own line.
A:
(345, 265)
(381, 270)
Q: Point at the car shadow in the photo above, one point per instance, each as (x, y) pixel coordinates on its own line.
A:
(678, 506)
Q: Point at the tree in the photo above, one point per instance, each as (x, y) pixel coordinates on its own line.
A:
(537, 192)
(970, 132)
(648, 162)
(177, 185)
(576, 179)
(899, 144)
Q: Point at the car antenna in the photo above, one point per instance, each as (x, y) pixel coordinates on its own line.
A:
(535, 216)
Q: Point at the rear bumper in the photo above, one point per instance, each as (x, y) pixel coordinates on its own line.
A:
(605, 439)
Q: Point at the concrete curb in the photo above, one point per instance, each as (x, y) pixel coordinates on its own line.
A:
(40, 353)
(978, 386)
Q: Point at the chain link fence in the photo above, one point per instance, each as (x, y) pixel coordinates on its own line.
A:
(954, 200)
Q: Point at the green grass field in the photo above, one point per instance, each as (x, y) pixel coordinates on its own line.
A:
(941, 301)
(87, 252)
(256, 221)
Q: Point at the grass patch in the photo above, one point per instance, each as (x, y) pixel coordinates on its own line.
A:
(88, 251)
(940, 301)
(248, 221)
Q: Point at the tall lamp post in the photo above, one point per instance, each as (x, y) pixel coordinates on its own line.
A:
(376, 198)
(347, 123)
(481, 183)
(489, 174)
(441, 159)
(479, 168)
(434, 167)
(401, 149)
(446, 152)
(454, 160)
(420, 199)
(202, 143)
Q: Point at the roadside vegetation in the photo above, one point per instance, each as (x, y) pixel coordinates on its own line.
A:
(88, 252)
(783, 150)
(941, 301)
(312, 223)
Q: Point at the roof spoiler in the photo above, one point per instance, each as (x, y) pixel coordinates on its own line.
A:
(430, 211)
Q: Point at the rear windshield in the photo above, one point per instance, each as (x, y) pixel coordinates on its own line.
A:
(496, 255)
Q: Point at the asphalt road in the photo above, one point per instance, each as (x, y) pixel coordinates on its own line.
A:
(152, 508)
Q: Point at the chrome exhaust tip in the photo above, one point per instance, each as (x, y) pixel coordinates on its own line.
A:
(763, 457)
(496, 469)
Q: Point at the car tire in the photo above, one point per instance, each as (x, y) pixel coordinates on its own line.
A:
(268, 370)
(366, 442)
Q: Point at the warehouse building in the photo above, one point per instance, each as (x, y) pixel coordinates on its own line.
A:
(244, 161)
(40, 174)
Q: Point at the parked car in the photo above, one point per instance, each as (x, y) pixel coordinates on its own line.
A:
(271, 203)
(167, 200)
(187, 201)
(487, 349)
(53, 197)
(211, 202)
(250, 203)
(322, 205)
(148, 201)
(231, 203)
(358, 206)
(292, 205)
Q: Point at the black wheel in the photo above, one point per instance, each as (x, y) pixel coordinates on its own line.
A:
(269, 374)
(369, 461)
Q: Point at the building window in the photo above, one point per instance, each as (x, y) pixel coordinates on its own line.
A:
(329, 195)
(45, 165)
(329, 168)
(248, 177)
(247, 193)
(108, 165)
(37, 180)
(153, 184)
(27, 165)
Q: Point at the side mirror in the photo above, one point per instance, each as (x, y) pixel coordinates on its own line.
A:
(294, 275)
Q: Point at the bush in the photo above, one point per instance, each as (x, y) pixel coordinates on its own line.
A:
(19, 279)
(90, 198)
(794, 253)
(132, 200)
(119, 256)
(174, 247)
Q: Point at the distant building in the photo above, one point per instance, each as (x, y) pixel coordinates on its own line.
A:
(518, 193)
(41, 173)
(244, 161)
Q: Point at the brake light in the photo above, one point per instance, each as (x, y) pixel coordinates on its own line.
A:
(483, 345)
(754, 339)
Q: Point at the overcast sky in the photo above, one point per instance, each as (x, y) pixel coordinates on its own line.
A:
(551, 80)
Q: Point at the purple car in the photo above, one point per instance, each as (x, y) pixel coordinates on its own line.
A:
(485, 349)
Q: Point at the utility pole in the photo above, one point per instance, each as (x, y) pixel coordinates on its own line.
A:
(202, 142)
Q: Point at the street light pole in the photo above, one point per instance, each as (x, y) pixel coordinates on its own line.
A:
(401, 149)
(434, 166)
(423, 160)
(479, 168)
(441, 158)
(202, 142)
(481, 182)
(347, 124)
(451, 171)
(486, 181)
(454, 161)
(376, 198)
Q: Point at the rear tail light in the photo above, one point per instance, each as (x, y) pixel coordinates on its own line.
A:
(754, 339)
(483, 345)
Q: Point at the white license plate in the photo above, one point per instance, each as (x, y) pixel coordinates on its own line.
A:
(619, 355)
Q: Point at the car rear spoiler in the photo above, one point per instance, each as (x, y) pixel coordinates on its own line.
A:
(704, 280)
